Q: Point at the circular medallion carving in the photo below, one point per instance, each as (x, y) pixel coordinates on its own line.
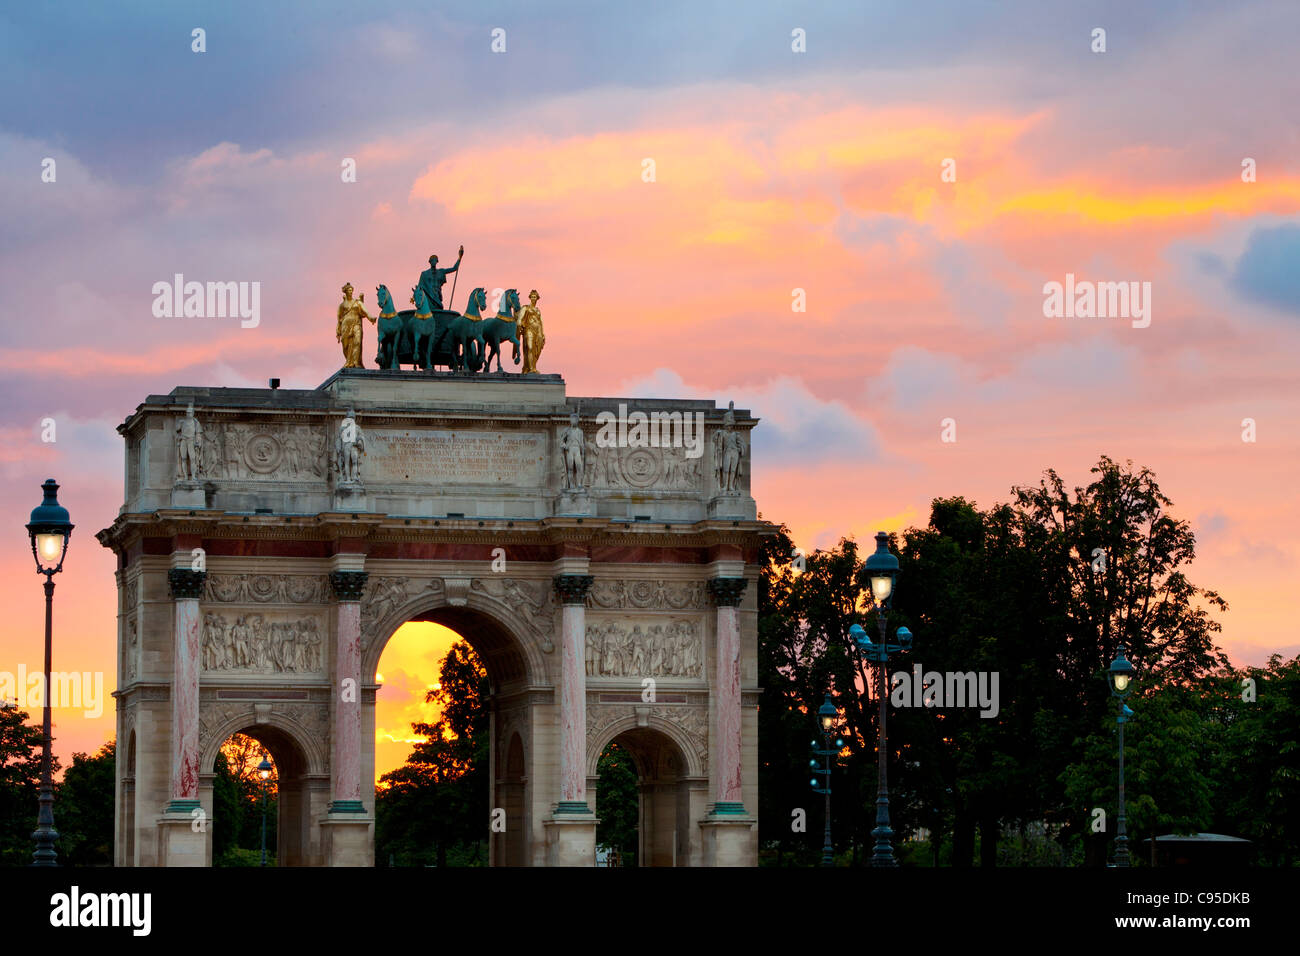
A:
(641, 468)
(263, 454)
(641, 593)
(263, 588)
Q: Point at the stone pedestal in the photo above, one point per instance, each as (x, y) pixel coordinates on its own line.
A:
(349, 496)
(188, 494)
(739, 507)
(571, 840)
(345, 839)
(182, 835)
(575, 504)
(727, 840)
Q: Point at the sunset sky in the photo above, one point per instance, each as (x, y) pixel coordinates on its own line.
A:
(774, 171)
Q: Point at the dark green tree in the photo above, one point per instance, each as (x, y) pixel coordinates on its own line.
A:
(1257, 770)
(85, 799)
(618, 802)
(20, 780)
(804, 651)
(974, 595)
(1113, 564)
(438, 800)
(228, 810)
(1040, 591)
(1166, 787)
(238, 796)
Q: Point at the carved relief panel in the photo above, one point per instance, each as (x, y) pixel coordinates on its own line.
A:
(267, 588)
(619, 593)
(264, 642)
(130, 629)
(235, 451)
(645, 648)
(632, 469)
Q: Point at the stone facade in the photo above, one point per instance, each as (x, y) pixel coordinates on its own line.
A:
(258, 589)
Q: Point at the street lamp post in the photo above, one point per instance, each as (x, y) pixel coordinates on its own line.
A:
(1121, 685)
(49, 530)
(882, 571)
(827, 717)
(264, 772)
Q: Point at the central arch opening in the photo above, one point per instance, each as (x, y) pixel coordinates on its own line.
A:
(643, 800)
(449, 757)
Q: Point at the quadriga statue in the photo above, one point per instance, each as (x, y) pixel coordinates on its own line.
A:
(426, 338)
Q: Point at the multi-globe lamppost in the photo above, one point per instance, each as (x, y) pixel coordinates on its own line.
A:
(49, 530)
(827, 716)
(882, 571)
(1121, 685)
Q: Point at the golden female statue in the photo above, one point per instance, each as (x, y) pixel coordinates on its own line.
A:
(531, 336)
(348, 331)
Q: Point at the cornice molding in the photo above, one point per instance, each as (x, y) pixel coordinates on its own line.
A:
(331, 526)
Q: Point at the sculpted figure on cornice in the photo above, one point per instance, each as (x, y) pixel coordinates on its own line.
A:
(573, 450)
(189, 446)
(349, 446)
(729, 451)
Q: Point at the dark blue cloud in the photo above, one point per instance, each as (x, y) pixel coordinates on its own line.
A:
(117, 84)
(1269, 270)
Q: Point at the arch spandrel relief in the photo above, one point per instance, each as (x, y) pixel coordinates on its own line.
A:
(688, 725)
(528, 604)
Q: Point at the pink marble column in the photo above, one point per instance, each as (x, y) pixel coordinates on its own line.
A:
(348, 588)
(727, 593)
(186, 588)
(572, 589)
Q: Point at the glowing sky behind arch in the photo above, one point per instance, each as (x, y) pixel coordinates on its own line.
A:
(775, 171)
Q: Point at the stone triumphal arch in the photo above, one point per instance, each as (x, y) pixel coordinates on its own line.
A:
(598, 553)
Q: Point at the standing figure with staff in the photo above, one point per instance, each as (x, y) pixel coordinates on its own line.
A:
(433, 279)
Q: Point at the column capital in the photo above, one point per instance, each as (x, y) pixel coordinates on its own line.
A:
(184, 583)
(573, 588)
(349, 585)
(727, 592)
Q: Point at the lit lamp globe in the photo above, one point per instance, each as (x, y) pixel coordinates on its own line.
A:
(882, 571)
(49, 529)
(264, 769)
(1121, 675)
(827, 714)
